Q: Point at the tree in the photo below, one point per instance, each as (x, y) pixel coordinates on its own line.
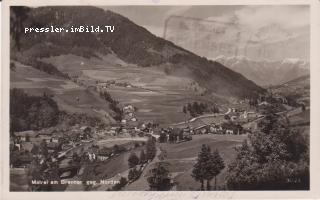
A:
(142, 157)
(275, 158)
(133, 160)
(151, 148)
(163, 137)
(227, 117)
(181, 135)
(200, 169)
(184, 110)
(44, 148)
(217, 166)
(133, 174)
(159, 179)
(171, 137)
(76, 159)
(123, 182)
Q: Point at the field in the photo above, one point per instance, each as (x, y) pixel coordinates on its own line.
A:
(182, 157)
(159, 97)
(69, 96)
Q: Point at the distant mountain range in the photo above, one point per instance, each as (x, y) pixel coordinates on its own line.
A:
(213, 38)
(266, 73)
(129, 42)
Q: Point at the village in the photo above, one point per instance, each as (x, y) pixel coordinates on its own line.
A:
(67, 146)
(71, 147)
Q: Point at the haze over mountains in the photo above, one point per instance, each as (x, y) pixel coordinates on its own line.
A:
(256, 32)
(131, 43)
(264, 72)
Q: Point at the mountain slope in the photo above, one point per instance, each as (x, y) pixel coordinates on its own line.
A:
(129, 42)
(297, 90)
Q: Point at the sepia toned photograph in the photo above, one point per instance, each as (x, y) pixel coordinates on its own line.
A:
(159, 98)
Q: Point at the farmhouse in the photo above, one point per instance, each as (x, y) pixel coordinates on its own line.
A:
(228, 131)
(215, 129)
(24, 135)
(202, 129)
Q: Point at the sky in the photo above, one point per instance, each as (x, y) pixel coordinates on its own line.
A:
(251, 17)
(264, 26)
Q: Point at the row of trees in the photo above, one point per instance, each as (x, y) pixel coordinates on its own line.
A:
(171, 135)
(195, 109)
(207, 167)
(150, 150)
(134, 160)
(113, 105)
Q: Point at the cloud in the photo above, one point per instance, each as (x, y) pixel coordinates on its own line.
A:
(253, 18)
(268, 23)
(287, 17)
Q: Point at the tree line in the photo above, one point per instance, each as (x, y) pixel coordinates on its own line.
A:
(196, 108)
(28, 112)
(113, 105)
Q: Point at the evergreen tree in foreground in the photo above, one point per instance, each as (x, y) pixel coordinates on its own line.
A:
(199, 172)
(215, 168)
(159, 179)
(208, 166)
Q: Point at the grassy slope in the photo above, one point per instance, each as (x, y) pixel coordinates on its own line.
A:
(182, 157)
(65, 92)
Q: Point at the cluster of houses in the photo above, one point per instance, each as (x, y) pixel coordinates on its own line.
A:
(26, 144)
(128, 114)
(110, 83)
(224, 128)
(237, 115)
(130, 129)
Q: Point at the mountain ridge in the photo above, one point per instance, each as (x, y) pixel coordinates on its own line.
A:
(131, 43)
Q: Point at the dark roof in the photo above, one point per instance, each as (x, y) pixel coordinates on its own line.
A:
(25, 133)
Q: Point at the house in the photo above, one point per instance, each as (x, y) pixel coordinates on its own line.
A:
(24, 135)
(201, 129)
(91, 156)
(128, 109)
(230, 132)
(55, 139)
(45, 138)
(53, 146)
(215, 129)
(102, 158)
(134, 119)
(114, 130)
(247, 115)
(26, 146)
(264, 103)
